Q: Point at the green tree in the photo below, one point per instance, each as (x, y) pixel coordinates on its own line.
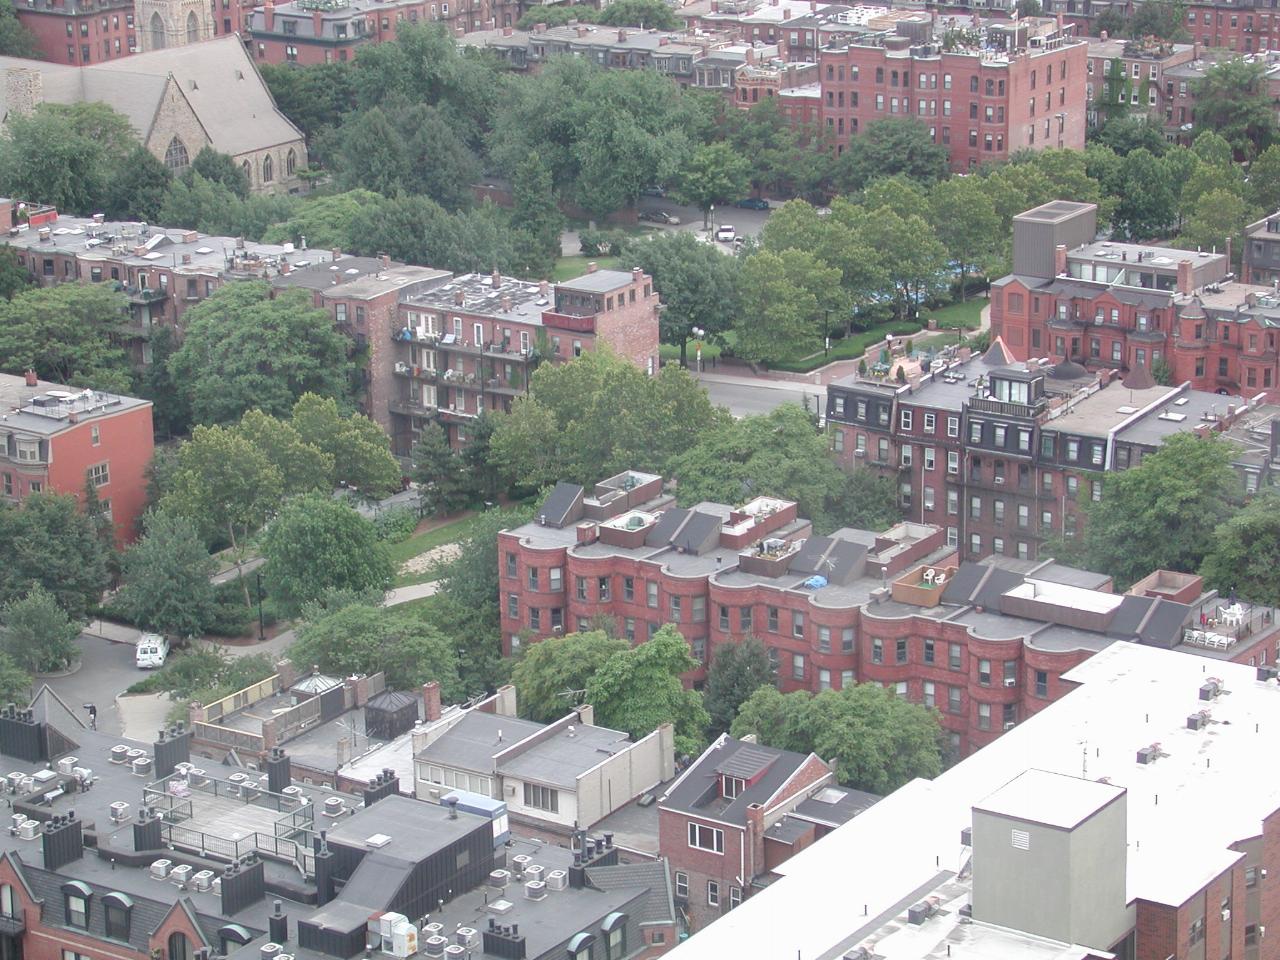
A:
(887, 148)
(596, 416)
(14, 277)
(322, 220)
(49, 542)
(786, 300)
(139, 189)
(1029, 8)
(17, 41)
(1244, 551)
(714, 174)
(1161, 371)
(786, 159)
(551, 676)
(1161, 514)
(536, 213)
(244, 348)
(638, 689)
(697, 283)
(302, 466)
(1130, 132)
(66, 155)
(914, 259)
(1212, 149)
(166, 579)
(222, 169)
(480, 471)
(558, 15)
(15, 683)
(359, 448)
(645, 14)
(879, 741)
(439, 472)
(1232, 101)
(366, 639)
(867, 500)
(965, 221)
(313, 97)
(169, 412)
(1148, 200)
(469, 598)
(1219, 216)
(1264, 180)
(63, 333)
(317, 544)
(1163, 19)
(737, 671)
(38, 635)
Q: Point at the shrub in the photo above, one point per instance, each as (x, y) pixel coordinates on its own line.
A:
(395, 524)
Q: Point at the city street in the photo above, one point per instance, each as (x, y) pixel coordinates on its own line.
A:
(747, 396)
(107, 669)
(748, 223)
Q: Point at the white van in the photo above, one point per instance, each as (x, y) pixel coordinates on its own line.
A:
(152, 651)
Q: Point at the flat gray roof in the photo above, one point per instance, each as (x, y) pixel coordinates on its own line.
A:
(558, 761)
(601, 281)
(471, 743)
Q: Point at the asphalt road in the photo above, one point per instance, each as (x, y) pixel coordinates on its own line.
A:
(748, 223)
(106, 670)
(747, 398)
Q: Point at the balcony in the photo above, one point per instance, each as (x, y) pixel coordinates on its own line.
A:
(145, 295)
(1004, 408)
(503, 387)
(452, 415)
(412, 408)
(14, 926)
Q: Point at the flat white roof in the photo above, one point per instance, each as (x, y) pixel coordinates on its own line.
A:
(1207, 790)
(1050, 798)
(1065, 595)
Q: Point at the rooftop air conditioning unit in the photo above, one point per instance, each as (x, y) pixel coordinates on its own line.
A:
(519, 862)
(67, 764)
(119, 811)
(202, 880)
(557, 880)
(467, 937)
(29, 829)
(535, 890)
(180, 874)
(434, 946)
(142, 767)
(533, 872)
(160, 869)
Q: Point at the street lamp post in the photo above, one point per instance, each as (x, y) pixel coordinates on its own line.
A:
(711, 213)
(699, 333)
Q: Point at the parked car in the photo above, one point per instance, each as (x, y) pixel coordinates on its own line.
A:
(653, 192)
(659, 216)
(753, 203)
(152, 651)
(725, 233)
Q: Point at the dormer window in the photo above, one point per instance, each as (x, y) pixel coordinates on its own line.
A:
(76, 897)
(614, 932)
(117, 915)
(731, 787)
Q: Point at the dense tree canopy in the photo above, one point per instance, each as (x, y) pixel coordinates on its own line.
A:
(1232, 100)
(1244, 553)
(166, 579)
(36, 632)
(64, 333)
(878, 740)
(50, 542)
(551, 676)
(737, 671)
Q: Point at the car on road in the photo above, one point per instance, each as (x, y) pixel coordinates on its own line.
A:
(753, 203)
(152, 651)
(725, 233)
(659, 216)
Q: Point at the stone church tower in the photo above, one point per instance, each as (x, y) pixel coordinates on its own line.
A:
(172, 23)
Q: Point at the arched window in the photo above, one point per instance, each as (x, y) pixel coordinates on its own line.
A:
(614, 930)
(176, 158)
(248, 172)
(179, 947)
(117, 915)
(193, 28)
(291, 163)
(267, 173)
(157, 32)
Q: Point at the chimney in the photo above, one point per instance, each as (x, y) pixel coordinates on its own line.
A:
(31, 378)
(663, 41)
(337, 253)
(751, 55)
(636, 274)
(1184, 278)
(317, 23)
(285, 268)
(459, 298)
(496, 280)
(278, 925)
(539, 28)
(592, 267)
(269, 16)
(544, 288)
(386, 259)
(506, 31)
(622, 36)
(1228, 252)
(786, 13)
(506, 304)
(186, 258)
(1059, 259)
(431, 700)
(1102, 35)
(582, 31)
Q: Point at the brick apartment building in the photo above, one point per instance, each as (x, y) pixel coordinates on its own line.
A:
(162, 271)
(1023, 90)
(733, 816)
(58, 439)
(1129, 78)
(80, 32)
(1004, 455)
(986, 644)
(1123, 305)
(326, 31)
(1081, 834)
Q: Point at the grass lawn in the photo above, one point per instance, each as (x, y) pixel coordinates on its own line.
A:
(451, 531)
(849, 348)
(710, 351)
(569, 267)
(967, 315)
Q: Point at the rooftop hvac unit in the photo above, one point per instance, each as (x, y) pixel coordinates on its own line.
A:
(535, 890)
(180, 874)
(17, 820)
(334, 806)
(83, 774)
(434, 946)
(467, 937)
(918, 913)
(499, 878)
(533, 872)
(197, 777)
(160, 869)
(557, 880)
(67, 764)
(519, 862)
(404, 939)
(434, 929)
(284, 956)
(119, 811)
(387, 923)
(134, 753)
(202, 880)
(269, 951)
(27, 785)
(29, 829)
(184, 767)
(454, 952)
(15, 781)
(501, 906)
(216, 887)
(142, 767)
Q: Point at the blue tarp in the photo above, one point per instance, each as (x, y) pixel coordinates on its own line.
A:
(816, 582)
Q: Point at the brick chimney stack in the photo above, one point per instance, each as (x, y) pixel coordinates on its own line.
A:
(1060, 260)
(431, 700)
(1184, 278)
(269, 16)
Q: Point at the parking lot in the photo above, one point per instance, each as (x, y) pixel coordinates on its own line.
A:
(746, 223)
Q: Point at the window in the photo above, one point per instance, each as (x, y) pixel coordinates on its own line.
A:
(1250, 878)
(651, 594)
(629, 629)
(984, 716)
(629, 589)
(117, 907)
(533, 578)
(682, 885)
(541, 798)
(797, 624)
(724, 617)
(77, 904)
(824, 639)
(905, 418)
(900, 651)
(984, 672)
(8, 906)
(928, 651)
(744, 619)
(580, 588)
(953, 462)
(291, 163)
(603, 585)
(877, 650)
(846, 640)
(735, 897)
(731, 787)
(713, 894)
(555, 577)
(797, 666)
(99, 475)
(513, 606)
(953, 699)
(773, 620)
(930, 422)
(702, 837)
(675, 609)
(930, 458)
(535, 619)
(179, 947)
(175, 156)
(953, 656)
(699, 609)
(1197, 931)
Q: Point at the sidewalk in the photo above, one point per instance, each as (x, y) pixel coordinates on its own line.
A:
(115, 632)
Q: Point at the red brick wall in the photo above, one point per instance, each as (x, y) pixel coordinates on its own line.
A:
(632, 330)
(126, 445)
(53, 41)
